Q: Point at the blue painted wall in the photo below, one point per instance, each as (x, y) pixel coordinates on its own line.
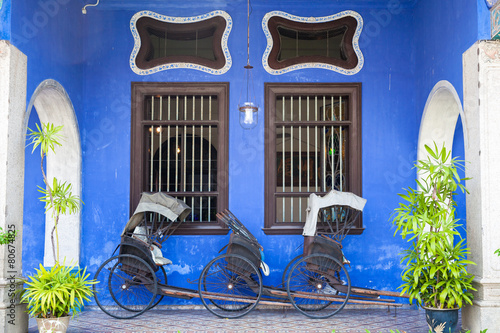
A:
(389, 120)
(406, 49)
(49, 33)
(443, 32)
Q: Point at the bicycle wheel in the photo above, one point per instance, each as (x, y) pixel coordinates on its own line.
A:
(287, 269)
(318, 286)
(230, 286)
(127, 286)
(161, 278)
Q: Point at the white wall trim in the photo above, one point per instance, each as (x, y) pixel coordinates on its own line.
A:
(355, 42)
(180, 20)
(53, 105)
(439, 119)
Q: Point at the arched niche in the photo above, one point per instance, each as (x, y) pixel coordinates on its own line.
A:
(53, 105)
(440, 118)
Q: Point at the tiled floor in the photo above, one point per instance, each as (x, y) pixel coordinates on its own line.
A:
(260, 320)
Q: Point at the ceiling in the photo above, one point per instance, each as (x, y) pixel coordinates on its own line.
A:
(222, 4)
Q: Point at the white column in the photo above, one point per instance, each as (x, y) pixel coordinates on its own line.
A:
(13, 317)
(482, 110)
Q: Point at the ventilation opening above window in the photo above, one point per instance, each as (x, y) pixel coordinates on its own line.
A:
(327, 43)
(163, 42)
(295, 42)
(173, 43)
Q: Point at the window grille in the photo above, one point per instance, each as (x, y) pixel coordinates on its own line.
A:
(184, 149)
(314, 144)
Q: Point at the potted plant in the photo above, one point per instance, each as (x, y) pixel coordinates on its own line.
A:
(8, 236)
(53, 294)
(61, 290)
(435, 273)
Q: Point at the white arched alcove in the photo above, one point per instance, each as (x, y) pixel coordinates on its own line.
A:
(53, 105)
(439, 119)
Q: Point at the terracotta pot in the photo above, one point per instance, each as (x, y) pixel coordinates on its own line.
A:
(53, 325)
(441, 320)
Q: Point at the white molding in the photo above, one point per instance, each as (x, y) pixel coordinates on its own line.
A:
(320, 65)
(180, 20)
(439, 119)
(53, 105)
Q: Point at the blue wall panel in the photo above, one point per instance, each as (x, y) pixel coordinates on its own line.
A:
(406, 51)
(48, 32)
(389, 120)
(443, 32)
(5, 17)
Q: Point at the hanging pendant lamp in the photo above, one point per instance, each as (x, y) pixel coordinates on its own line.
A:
(248, 109)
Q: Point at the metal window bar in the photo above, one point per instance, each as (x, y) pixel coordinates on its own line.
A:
(151, 150)
(184, 144)
(176, 143)
(283, 149)
(291, 157)
(300, 156)
(316, 143)
(203, 105)
(160, 145)
(192, 159)
(326, 142)
(340, 146)
(323, 155)
(209, 153)
(201, 159)
(308, 137)
(168, 146)
(332, 142)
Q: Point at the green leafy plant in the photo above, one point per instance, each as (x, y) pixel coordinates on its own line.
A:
(8, 236)
(498, 252)
(436, 266)
(60, 290)
(57, 292)
(56, 195)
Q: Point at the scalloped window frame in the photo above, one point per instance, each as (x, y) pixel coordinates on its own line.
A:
(312, 64)
(180, 20)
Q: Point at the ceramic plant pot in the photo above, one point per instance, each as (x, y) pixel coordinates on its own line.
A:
(441, 320)
(53, 325)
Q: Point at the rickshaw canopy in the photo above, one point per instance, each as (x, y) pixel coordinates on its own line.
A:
(330, 199)
(161, 203)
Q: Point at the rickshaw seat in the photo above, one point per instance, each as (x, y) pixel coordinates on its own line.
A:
(156, 254)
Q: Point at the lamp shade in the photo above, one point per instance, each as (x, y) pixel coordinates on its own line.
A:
(248, 115)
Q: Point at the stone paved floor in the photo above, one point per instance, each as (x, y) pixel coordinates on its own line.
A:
(259, 320)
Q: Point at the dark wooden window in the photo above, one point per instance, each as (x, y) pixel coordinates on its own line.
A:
(179, 146)
(302, 42)
(313, 145)
(166, 42)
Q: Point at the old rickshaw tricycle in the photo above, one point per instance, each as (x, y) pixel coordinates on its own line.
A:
(316, 282)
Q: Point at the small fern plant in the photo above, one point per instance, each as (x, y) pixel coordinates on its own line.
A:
(57, 292)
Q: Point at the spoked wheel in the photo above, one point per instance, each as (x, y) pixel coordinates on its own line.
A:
(126, 287)
(161, 279)
(287, 269)
(230, 286)
(318, 285)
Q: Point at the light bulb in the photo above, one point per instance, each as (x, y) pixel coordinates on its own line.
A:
(248, 116)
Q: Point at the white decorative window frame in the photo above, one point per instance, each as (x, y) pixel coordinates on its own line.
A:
(180, 20)
(321, 65)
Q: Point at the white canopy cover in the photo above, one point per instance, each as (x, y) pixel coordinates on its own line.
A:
(331, 198)
(161, 203)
